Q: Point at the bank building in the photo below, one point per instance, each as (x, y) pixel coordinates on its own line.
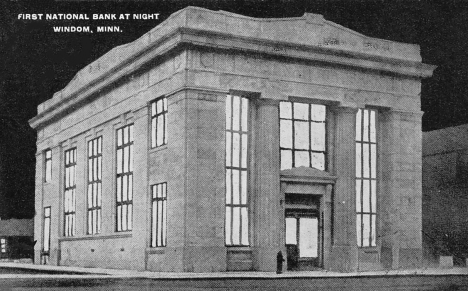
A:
(216, 140)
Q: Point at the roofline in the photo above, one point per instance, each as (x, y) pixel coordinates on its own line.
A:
(163, 44)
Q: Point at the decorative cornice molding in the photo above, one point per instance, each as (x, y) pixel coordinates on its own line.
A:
(184, 29)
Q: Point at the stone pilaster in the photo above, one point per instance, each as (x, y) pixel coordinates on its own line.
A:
(343, 256)
(204, 247)
(267, 213)
(401, 190)
(141, 224)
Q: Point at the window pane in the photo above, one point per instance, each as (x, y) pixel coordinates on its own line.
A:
(228, 186)
(374, 196)
(228, 112)
(245, 226)
(130, 187)
(318, 136)
(124, 217)
(291, 231)
(228, 149)
(286, 134)
(286, 159)
(236, 113)
(366, 196)
(301, 135)
(366, 230)
(359, 230)
(373, 232)
(164, 224)
(244, 151)
(308, 237)
(301, 159)
(372, 126)
(285, 110)
(153, 132)
(227, 228)
(373, 161)
(124, 188)
(318, 112)
(243, 187)
(366, 160)
(159, 243)
(358, 196)
(236, 226)
(119, 161)
(244, 114)
(159, 106)
(235, 186)
(359, 125)
(365, 134)
(235, 149)
(160, 130)
(318, 161)
(358, 160)
(153, 221)
(301, 111)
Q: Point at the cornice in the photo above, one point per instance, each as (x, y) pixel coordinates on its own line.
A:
(122, 62)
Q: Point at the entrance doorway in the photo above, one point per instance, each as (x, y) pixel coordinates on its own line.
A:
(303, 234)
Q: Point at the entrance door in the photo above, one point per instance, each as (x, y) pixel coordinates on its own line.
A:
(302, 241)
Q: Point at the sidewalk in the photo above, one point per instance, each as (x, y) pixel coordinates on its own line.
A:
(77, 272)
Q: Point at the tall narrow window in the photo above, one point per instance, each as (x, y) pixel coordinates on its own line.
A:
(70, 189)
(48, 166)
(158, 215)
(159, 122)
(94, 185)
(237, 166)
(302, 135)
(366, 177)
(46, 237)
(124, 183)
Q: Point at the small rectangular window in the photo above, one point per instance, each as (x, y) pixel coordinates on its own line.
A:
(47, 166)
(70, 192)
(366, 177)
(159, 215)
(124, 183)
(94, 185)
(159, 122)
(302, 135)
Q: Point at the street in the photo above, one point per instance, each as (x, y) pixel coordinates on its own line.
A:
(77, 282)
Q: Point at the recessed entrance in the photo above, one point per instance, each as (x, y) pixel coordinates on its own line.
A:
(303, 235)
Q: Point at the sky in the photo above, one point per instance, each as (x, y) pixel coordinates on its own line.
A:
(35, 61)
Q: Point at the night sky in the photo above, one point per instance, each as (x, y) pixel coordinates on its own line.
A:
(35, 62)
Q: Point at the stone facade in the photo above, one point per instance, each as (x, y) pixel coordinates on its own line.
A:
(195, 59)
